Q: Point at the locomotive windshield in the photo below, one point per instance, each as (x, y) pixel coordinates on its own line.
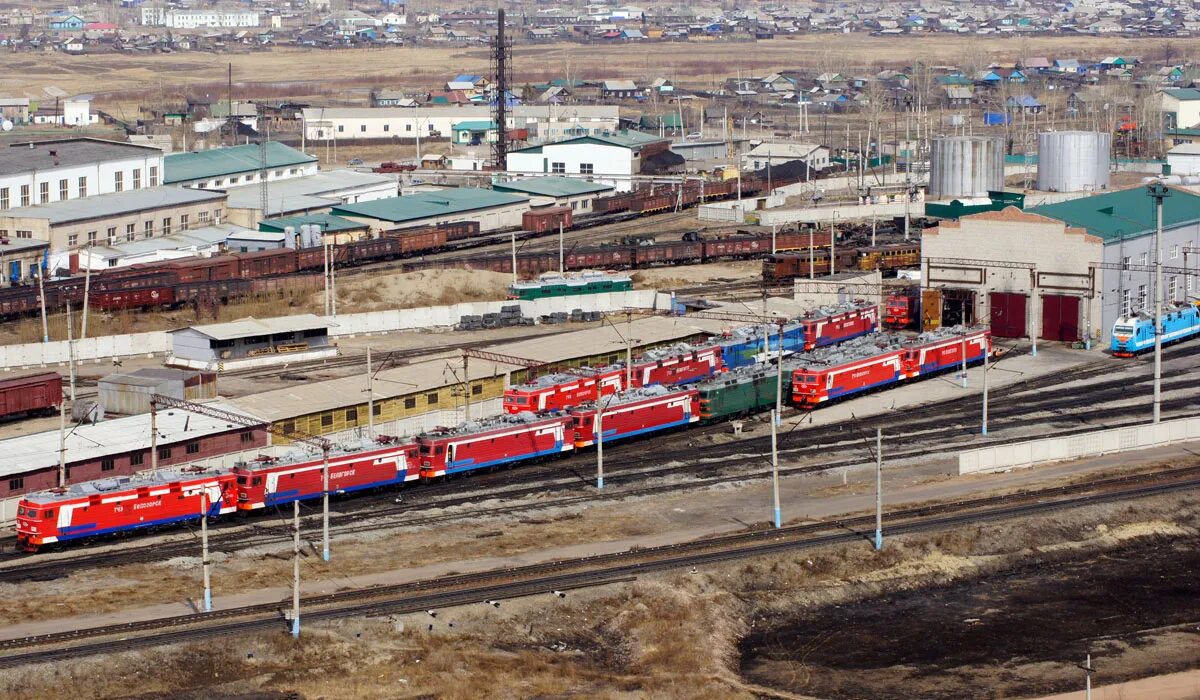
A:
(1123, 329)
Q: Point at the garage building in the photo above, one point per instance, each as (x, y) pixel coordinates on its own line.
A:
(557, 192)
(493, 210)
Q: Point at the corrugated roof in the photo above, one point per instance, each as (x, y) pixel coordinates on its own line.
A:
(1125, 213)
(108, 205)
(183, 167)
(192, 238)
(328, 223)
(68, 153)
(483, 125)
(244, 327)
(296, 194)
(28, 453)
(424, 205)
(551, 186)
(1184, 94)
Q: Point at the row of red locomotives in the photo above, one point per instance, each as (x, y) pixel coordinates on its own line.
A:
(167, 496)
(881, 360)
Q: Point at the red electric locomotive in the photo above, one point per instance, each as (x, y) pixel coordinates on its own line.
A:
(499, 440)
(943, 349)
(678, 364)
(839, 326)
(636, 412)
(123, 503)
(848, 369)
(556, 392)
(270, 481)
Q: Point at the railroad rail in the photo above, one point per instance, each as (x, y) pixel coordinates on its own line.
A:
(462, 589)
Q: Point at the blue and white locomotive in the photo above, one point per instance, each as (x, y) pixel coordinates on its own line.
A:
(1134, 334)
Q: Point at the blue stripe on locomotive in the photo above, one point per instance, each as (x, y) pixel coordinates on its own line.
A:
(1177, 325)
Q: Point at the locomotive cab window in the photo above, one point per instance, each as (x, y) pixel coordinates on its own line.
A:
(256, 481)
(241, 480)
(47, 514)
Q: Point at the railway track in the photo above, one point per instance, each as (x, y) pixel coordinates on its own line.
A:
(704, 466)
(462, 589)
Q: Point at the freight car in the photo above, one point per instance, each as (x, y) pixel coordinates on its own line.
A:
(124, 503)
(1134, 334)
(782, 267)
(30, 395)
(543, 220)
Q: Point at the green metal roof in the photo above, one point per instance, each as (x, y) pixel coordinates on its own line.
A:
(182, 167)
(328, 223)
(551, 186)
(1124, 214)
(1184, 94)
(1183, 132)
(624, 139)
(474, 126)
(424, 205)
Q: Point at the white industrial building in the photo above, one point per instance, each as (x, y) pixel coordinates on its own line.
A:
(493, 210)
(74, 112)
(1184, 159)
(218, 168)
(204, 241)
(757, 158)
(544, 122)
(196, 19)
(611, 159)
(33, 173)
(311, 194)
(1181, 108)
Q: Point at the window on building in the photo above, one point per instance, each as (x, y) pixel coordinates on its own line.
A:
(376, 409)
(64, 189)
(107, 464)
(1174, 251)
(112, 234)
(1173, 288)
(203, 217)
(92, 237)
(118, 181)
(154, 176)
(429, 128)
(341, 128)
(130, 232)
(351, 415)
(1142, 297)
(148, 229)
(216, 216)
(22, 233)
(183, 222)
(326, 420)
(586, 168)
(362, 128)
(320, 133)
(72, 240)
(83, 187)
(1126, 261)
(410, 402)
(137, 178)
(387, 128)
(558, 167)
(431, 398)
(408, 127)
(16, 484)
(136, 458)
(164, 453)
(43, 192)
(246, 436)
(24, 195)
(193, 447)
(166, 226)
(1145, 258)
(476, 389)
(289, 427)
(4, 202)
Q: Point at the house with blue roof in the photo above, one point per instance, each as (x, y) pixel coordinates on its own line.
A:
(67, 23)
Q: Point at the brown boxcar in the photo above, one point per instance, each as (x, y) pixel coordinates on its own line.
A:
(460, 229)
(615, 203)
(132, 298)
(212, 291)
(600, 258)
(801, 241)
(548, 219)
(36, 393)
(266, 263)
(419, 240)
(371, 249)
(220, 267)
(667, 253)
(736, 246)
(646, 203)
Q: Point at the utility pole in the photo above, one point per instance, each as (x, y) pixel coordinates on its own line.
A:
(600, 442)
(501, 64)
(777, 419)
(325, 503)
(296, 568)
(878, 489)
(62, 442)
(986, 370)
(42, 295)
(204, 508)
(370, 398)
(964, 362)
(87, 288)
(325, 250)
(1088, 669)
(1158, 191)
(773, 246)
(71, 350)
(775, 468)
(514, 256)
(153, 436)
(562, 270)
(332, 279)
(812, 256)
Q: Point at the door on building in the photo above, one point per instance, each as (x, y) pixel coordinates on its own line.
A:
(931, 309)
(958, 307)
(1060, 317)
(1008, 314)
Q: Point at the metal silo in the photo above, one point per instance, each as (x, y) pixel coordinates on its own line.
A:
(1073, 161)
(966, 166)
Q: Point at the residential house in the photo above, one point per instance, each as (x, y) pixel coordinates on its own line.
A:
(957, 96)
(1024, 103)
(619, 89)
(67, 23)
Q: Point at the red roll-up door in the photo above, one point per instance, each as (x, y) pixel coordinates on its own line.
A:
(1008, 314)
(1060, 317)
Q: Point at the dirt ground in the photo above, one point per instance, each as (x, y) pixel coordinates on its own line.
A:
(1009, 607)
(287, 70)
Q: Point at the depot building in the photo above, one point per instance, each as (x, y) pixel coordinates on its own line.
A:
(1064, 271)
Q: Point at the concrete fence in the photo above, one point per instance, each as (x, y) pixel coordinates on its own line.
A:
(108, 347)
(998, 458)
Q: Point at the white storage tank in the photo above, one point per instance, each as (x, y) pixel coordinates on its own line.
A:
(966, 166)
(1073, 161)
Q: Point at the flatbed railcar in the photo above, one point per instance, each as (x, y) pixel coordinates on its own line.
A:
(1135, 334)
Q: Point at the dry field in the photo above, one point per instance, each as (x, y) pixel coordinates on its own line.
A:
(337, 75)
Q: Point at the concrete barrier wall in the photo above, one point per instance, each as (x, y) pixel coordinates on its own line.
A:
(836, 213)
(720, 212)
(113, 346)
(1027, 454)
